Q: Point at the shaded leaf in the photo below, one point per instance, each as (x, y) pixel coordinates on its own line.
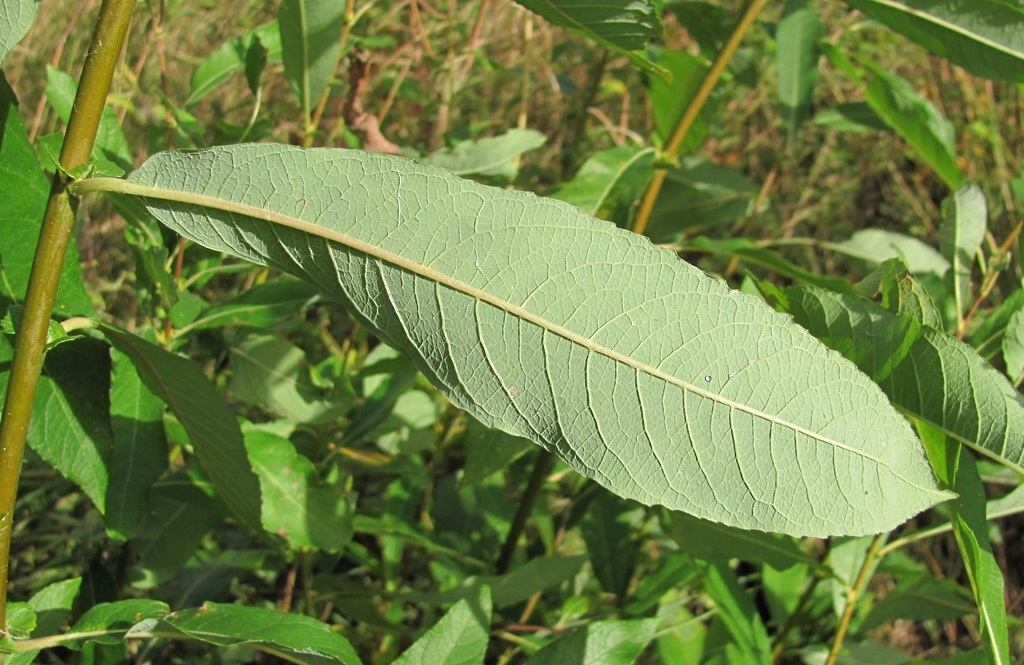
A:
(111, 144)
(922, 599)
(261, 306)
(600, 643)
(751, 252)
(796, 39)
(631, 364)
(737, 611)
(850, 117)
(608, 527)
(488, 451)
(140, 448)
(271, 372)
(211, 426)
(459, 638)
(107, 623)
(900, 293)
(493, 156)
(716, 542)
(982, 36)
(700, 193)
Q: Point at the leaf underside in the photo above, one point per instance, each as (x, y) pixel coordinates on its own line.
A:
(636, 368)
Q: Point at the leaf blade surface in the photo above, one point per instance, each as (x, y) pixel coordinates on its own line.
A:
(639, 370)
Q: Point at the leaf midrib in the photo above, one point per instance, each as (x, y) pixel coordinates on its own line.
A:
(204, 201)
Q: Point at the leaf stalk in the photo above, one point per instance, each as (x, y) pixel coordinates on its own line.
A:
(30, 342)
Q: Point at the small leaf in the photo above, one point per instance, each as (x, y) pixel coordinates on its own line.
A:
(310, 46)
(297, 505)
(600, 643)
(562, 332)
(111, 144)
(493, 156)
(233, 56)
(50, 608)
(796, 39)
(262, 306)
(669, 98)
(982, 36)
(211, 426)
(459, 638)
(751, 252)
(964, 222)
(16, 17)
(610, 182)
(878, 245)
(107, 623)
(850, 117)
(299, 638)
(608, 528)
(1013, 347)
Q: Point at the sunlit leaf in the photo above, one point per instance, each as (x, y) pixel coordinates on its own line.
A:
(796, 39)
(16, 17)
(459, 638)
(638, 369)
(310, 46)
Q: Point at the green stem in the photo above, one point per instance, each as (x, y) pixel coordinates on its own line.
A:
(693, 109)
(852, 596)
(30, 343)
(541, 468)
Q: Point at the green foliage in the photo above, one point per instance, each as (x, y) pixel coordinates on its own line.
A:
(230, 464)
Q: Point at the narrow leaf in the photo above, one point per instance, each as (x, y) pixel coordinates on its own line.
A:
(140, 448)
(16, 17)
(211, 426)
(111, 143)
(737, 611)
(459, 638)
(488, 451)
(641, 371)
(1013, 347)
(878, 245)
(622, 25)
(299, 638)
(700, 193)
(964, 221)
(609, 182)
(259, 307)
(107, 623)
(958, 471)
(926, 373)
(710, 541)
(796, 40)
(310, 46)
(917, 121)
(600, 643)
(982, 36)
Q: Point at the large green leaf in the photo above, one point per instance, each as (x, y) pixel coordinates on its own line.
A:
(985, 37)
(796, 43)
(622, 25)
(310, 46)
(925, 372)
(16, 17)
(638, 369)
